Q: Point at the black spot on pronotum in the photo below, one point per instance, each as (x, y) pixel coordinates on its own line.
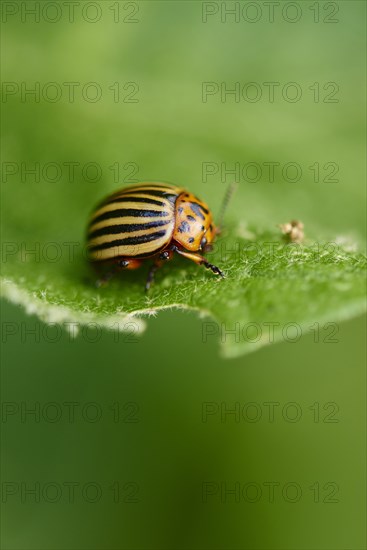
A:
(191, 240)
(202, 228)
(197, 210)
(191, 218)
(203, 208)
(184, 227)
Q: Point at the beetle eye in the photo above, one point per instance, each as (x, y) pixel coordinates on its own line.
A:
(203, 243)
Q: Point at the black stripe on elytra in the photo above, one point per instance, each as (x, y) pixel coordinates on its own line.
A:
(132, 198)
(154, 192)
(196, 208)
(147, 184)
(126, 228)
(167, 195)
(125, 212)
(141, 239)
(159, 190)
(201, 206)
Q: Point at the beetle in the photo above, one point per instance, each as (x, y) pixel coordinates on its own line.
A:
(150, 221)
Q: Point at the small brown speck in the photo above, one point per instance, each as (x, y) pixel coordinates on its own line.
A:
(293, 231)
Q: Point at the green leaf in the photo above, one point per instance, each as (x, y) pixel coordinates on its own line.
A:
(272, 290)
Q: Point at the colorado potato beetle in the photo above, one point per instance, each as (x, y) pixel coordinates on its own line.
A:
(150, 221)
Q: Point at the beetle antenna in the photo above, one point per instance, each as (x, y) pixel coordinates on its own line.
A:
(227, 197)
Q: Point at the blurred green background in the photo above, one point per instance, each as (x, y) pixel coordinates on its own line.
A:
(156, 452)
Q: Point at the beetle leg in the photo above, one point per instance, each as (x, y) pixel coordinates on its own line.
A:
(200, 260)
(115, 268)
(151, 275)
(163, 257)
(103, 280)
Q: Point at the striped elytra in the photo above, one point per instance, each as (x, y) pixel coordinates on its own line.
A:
(149, 220)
